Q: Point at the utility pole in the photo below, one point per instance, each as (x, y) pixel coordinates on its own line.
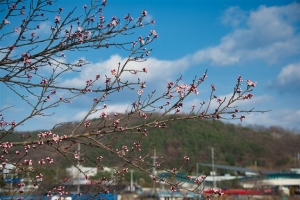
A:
(213, 167)
(153, 170)
(131, 180)
(256, 174)
(197, 169)
(197, 176)
(78, 174)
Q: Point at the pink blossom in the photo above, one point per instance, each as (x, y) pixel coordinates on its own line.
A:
(140, 92)
(39, 176)
(213, 87)
(199, 180)
(55, 138)
(99, 158)
(144, 13)
(173, 188)
(104, 115)
(114, 23)
(57, 19)
(87, 123)
(44, 81)
(13, 6)
(27, 162)
(251, 83)
(42, 162)
(242, 117)
(27, 60)
(137, 145)
(248, 96)
(142, 42)
(174, 170)
(76, 155)
(6, 21)
(125, 148)
(22, 184)
(153, 32)
(238, 90)
(113, 72)
(143, 85)
(50, 160)
(239, 79)
(186, 158)
(145, 70)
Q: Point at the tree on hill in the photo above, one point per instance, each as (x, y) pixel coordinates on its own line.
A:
(37, 39)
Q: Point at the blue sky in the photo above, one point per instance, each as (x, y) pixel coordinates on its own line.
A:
(259, 40)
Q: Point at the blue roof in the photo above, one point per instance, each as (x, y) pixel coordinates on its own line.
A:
(239, 169)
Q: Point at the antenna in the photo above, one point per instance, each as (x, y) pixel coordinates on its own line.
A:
(213, 167)
(153, 169)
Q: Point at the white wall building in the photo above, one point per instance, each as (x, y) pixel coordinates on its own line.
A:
(79, 173)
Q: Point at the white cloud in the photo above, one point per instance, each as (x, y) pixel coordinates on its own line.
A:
(111, 108)
(157, 70)
(233, 16)
(288, 80)
(44, 30)
(148, 18)
(284, 118)
(290, 74)
(268, 34)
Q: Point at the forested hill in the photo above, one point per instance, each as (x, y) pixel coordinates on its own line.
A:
(271, 148)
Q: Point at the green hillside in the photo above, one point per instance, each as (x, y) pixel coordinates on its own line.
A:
(271, 148)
